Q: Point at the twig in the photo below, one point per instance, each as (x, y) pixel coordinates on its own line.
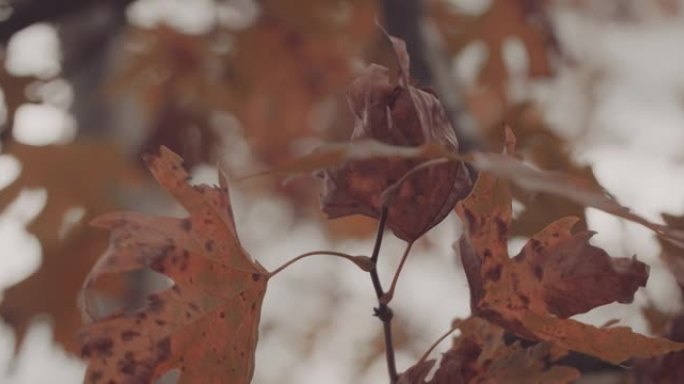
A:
(437, 342)
(383, 311)
(362, 261)
(387, 297)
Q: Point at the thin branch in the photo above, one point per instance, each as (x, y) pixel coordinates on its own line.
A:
(383, 312)
(358, 260)
(389, 295)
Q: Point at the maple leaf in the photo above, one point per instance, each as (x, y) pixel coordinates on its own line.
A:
(480, 355)
(557, 274)
(399, 115)
(206, 324)
(67, 256)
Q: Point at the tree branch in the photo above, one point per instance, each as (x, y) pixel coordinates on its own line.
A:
(383, 311)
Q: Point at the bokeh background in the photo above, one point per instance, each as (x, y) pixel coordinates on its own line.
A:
(594, 88)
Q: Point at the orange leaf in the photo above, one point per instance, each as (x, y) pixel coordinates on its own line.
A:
(206, 324)
(480, 355)
(557, 274)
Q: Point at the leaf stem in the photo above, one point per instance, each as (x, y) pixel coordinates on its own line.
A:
(383, 311)
(353, 259)
(437, 342)
(387, 297)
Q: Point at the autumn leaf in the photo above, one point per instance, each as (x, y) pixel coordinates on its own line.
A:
(556, 275)
(576, 189)
(404, 116)
(68, 248)
(206, 324)
(480, 355)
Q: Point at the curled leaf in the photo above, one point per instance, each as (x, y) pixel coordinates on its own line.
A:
(404, 116)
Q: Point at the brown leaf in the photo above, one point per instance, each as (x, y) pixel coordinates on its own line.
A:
(206, 324)
(669, 368)
(557, 274)
(480, 355)
(576, 189)
(53, 289)
(405, 116)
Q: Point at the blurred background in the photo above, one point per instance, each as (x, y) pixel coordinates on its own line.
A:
(593, 88)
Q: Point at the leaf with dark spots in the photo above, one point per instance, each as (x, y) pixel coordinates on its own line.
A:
(210, 313)
(557, 274)
(481, 355)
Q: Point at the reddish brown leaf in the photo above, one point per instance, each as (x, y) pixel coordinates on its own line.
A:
(578, 190)
(405, 116)
(557, 274)
(480, 355)
(206, 324)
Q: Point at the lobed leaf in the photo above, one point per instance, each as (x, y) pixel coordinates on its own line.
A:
(206, 324)
(557, 274)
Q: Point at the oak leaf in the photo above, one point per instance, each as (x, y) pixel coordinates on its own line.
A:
(206, 324)
(557, 274)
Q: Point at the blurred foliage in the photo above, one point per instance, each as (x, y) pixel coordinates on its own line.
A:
(282, 78)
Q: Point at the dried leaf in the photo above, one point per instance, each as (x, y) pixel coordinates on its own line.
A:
(556, 275)
(206, 324)
(524, 176)
(668, 368)
(480, 355)
(404, 116)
